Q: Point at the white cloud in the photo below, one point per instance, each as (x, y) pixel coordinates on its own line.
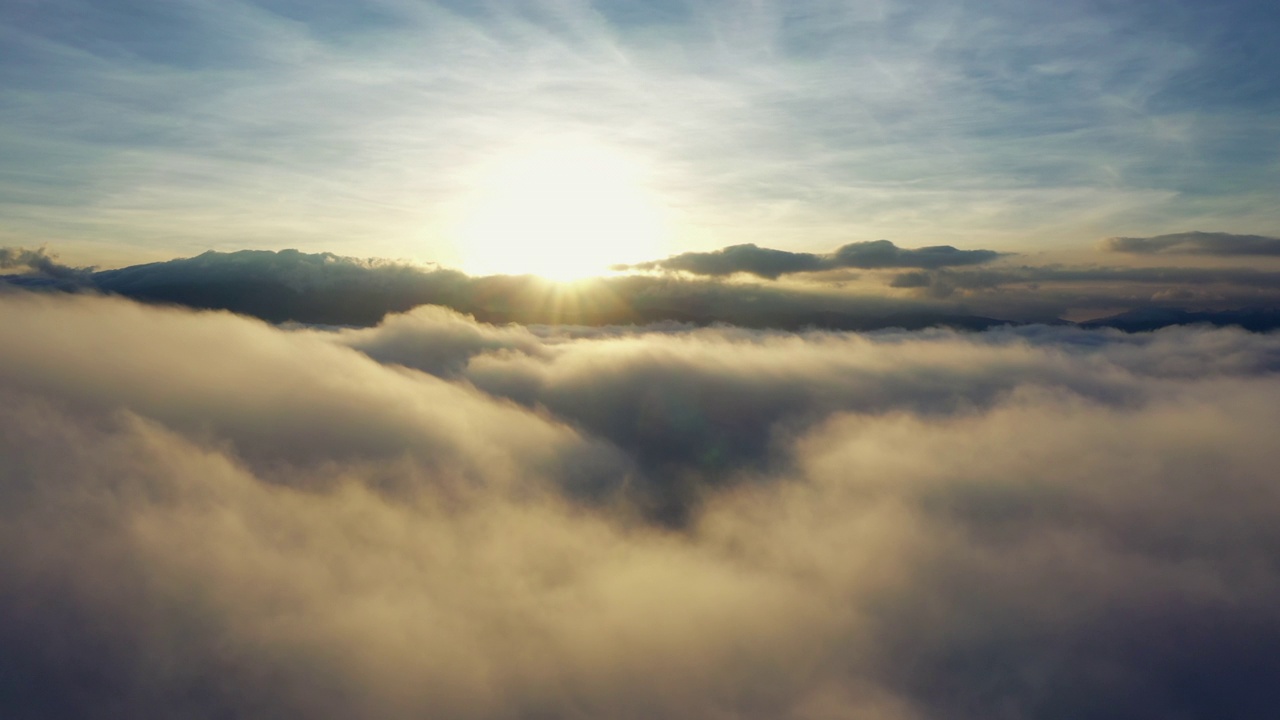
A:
(216, 517)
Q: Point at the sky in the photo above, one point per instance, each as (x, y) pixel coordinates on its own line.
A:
(705, 360)
(479, 135)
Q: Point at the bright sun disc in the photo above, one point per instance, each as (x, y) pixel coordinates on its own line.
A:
(563, 211)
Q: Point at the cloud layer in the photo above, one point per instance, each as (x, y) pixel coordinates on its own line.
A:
(41, 265)
(769, 263)
(440, 517)
(323, 288)
(328, 289)
(1195, 243)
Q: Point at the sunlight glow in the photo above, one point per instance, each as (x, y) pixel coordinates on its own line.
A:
(562, 210)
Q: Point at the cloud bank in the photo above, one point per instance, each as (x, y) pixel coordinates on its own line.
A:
(1195, 243)
(434, 516)
(323, 288)
(40, 265)
(771, 264)
(329, 289)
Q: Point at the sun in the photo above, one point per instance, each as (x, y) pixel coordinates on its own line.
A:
(563, 210)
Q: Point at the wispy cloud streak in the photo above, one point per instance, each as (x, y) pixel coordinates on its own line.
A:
(794, 125)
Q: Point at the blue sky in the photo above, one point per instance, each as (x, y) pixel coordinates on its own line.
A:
(147, 130)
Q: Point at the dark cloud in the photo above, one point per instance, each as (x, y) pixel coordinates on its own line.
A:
(914, 279)
(884, 254)
(1195, 243)
(1256, 319)
(214, 517)
(332, 290)
(1159, 297)
(990, 279)
(286, 285)
(762, 262)
(41, 267)
(325, 289)
(771, 264)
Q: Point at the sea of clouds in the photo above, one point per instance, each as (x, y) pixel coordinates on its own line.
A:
(207, 516)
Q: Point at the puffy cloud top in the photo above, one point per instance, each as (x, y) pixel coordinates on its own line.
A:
(214, 517)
